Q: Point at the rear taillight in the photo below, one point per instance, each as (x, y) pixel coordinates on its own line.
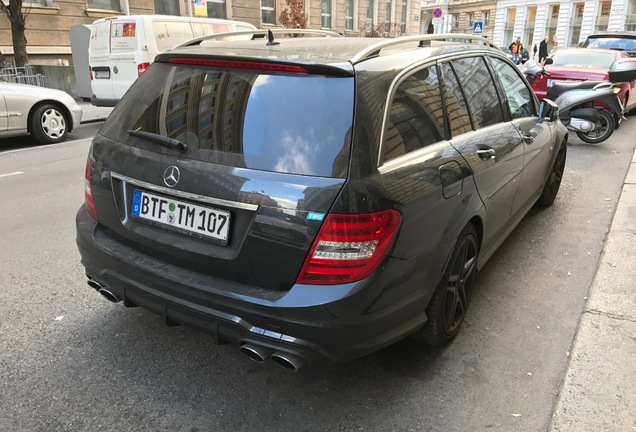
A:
(141, 68)
(90, 71)
(238, 64)
(349, 248)
(88, 192)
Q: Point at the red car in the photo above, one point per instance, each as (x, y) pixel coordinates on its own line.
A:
(584, 64)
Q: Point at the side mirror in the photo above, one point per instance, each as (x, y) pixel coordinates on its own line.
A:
(548, 111)
(548, 61)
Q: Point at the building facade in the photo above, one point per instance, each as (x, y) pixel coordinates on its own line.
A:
(49, 21)
(565, 23)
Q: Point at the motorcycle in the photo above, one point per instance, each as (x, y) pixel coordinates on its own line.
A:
(589, 108)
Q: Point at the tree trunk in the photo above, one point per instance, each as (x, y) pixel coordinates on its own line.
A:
(17, 18)
(20, 57)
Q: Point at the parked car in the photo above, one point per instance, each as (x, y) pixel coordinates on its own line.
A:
(524, 55)
(47, 114)
(122, 47)
(622, 41)
(315, 199)
(584, 64)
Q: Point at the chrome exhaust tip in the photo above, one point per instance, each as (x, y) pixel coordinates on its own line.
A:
(256, 352)
(288, 361)
(93, 284)
(109, 295)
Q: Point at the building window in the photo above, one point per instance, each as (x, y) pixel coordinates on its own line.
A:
(511, 16)
(112, 5)
(349, 15)
(268, 11)
(217, 9)
(553, 19)
(326, 14)
(470, 17)
(454, 19)
(405, 16)
(388, 16)
(603, 17)
(167, 7)
(630, 19)
(370, 12)
(528, 32)
(485, 18)
(575, 27)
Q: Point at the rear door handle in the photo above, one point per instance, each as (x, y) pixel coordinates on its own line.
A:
(486, 154)
(527, 139)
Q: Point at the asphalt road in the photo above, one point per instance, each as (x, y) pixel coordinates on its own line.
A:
(71, 361)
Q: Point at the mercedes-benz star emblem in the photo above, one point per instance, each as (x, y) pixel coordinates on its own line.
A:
(171, 176)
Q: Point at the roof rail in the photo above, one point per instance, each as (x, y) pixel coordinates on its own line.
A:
(257, 34)
(374, 50)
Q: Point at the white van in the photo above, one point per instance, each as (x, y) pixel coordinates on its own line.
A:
(121, 48)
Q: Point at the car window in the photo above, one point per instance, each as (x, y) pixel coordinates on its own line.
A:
(620, 43)
(580, 57)
(417, 118)
(518, 95)
(297, 124)
(456, 108)
(480, 91)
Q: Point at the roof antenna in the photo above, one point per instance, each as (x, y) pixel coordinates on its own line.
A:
(270, 39)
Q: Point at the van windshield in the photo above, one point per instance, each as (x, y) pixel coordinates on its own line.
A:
(297, 124)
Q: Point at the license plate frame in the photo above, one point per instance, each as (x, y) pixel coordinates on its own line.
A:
(105, 74)
(551, 82)
(183, 216)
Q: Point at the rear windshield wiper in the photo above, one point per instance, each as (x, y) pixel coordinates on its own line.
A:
(159, 139)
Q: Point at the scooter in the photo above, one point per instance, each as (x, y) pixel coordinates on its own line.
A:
(589, 108)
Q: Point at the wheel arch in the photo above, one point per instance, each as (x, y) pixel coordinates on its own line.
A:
(63, 109)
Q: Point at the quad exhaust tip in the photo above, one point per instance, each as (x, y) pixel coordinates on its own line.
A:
(256, 352)
(287, 361)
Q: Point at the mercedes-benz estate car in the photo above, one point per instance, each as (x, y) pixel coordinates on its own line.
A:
(315, 199)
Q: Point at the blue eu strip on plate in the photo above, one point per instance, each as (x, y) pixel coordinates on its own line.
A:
(136, 203)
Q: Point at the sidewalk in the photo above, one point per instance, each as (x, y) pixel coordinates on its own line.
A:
(92, 114)
(599, 390)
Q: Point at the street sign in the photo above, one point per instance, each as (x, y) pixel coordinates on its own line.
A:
(437, 21)
(437, 13)
(477, 27)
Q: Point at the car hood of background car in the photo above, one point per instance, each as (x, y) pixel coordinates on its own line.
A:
(577, 72)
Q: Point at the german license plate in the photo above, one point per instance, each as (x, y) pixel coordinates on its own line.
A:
(102, 74)
(206, 221)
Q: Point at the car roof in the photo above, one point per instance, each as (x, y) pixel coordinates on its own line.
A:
(623, 34)
(337, 52)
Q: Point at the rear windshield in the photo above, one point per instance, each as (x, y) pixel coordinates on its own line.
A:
(618, 43)
(579, 57)
(297, 124)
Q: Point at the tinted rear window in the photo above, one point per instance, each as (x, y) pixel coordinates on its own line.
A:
(619, 43)
(297, 124)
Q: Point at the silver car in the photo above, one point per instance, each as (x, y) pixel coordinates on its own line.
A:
(47, 114)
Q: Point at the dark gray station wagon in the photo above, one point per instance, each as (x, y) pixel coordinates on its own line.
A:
(313, 200)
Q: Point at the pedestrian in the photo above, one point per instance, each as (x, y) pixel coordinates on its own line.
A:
(515, 48)
(543, 49)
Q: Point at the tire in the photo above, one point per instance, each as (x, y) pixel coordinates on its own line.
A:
(553, 183)
(604, 129)
(48, 124)
(449, 303)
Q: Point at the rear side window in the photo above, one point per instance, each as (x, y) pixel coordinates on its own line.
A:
(518, 95)
(417, 117)
(480, 91)
(458, 116)
(298, 124)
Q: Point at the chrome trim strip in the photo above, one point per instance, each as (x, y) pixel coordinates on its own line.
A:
(186, 195)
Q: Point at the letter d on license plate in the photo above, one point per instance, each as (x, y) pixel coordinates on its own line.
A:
(190, 217)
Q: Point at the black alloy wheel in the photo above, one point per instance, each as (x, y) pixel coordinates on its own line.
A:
(449, 304)
(553, 183)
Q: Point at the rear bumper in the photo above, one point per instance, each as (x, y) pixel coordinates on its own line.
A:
(319, 324)
(103, 102)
